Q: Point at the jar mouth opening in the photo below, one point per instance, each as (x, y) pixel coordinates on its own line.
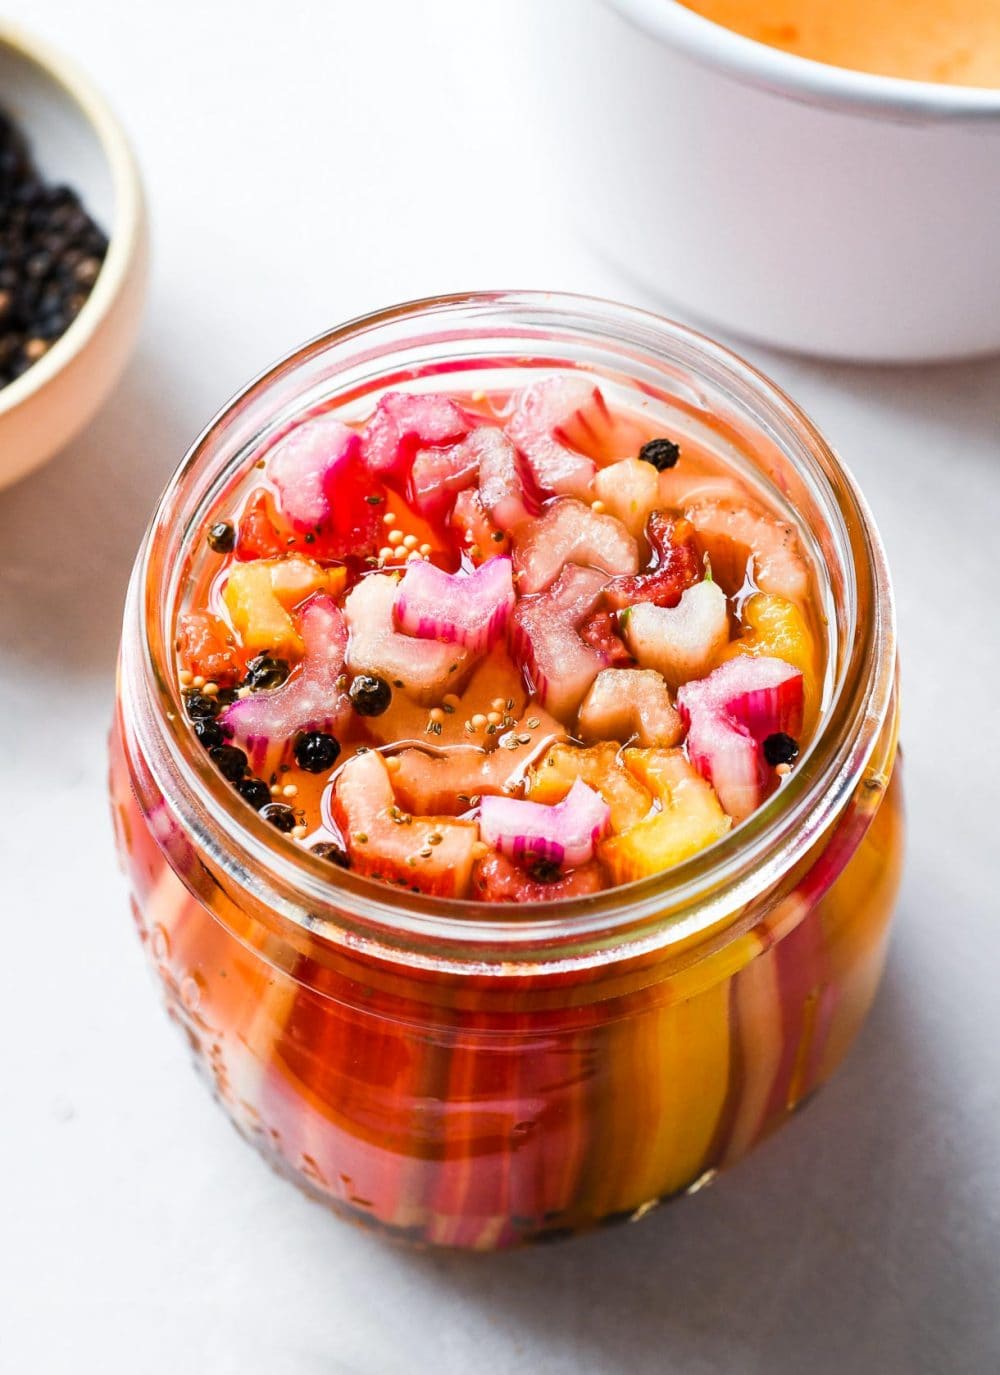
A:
(706, 893)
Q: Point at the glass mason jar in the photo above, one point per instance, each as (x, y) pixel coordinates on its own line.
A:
(480, 1076)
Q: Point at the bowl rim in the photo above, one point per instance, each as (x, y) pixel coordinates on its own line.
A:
(126, 227)
(804, 80)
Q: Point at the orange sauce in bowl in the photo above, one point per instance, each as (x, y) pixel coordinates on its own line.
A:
(953, 42)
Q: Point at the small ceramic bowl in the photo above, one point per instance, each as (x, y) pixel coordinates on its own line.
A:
(74, 138)
(817, 209)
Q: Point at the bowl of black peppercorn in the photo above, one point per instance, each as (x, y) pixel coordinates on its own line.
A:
(73, 252)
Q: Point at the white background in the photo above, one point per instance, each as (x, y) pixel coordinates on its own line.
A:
(305, 163)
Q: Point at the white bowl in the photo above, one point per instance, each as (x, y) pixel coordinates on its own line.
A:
(803, 205)
(74, 138)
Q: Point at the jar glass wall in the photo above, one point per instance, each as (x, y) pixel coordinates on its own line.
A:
(468, 1077)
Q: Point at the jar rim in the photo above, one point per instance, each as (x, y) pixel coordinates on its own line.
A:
(702, 896)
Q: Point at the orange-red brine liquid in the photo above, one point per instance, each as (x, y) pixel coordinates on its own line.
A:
(954, 42)
(520, 598)
(613, 580)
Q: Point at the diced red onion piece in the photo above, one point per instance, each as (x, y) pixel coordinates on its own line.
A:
(469, 609)
(729, 715)
(539, 411)
(438, 475)
(404, 422)
(323, 486)
(565, 833)
(505, 489)
(298, 466)
(730, 759)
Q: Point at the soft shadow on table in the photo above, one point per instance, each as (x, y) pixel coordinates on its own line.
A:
(952, 408)
(69, 532)
(829, 1249)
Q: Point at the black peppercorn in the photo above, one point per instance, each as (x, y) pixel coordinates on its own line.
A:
(51, 253)
(199, 707)
(38, 265)
(545, 871)
(230, 761)
(52, 325)
(662, 453)
(209, 733)
(279, 815)
(370, 695)
(222, 537)
(316, 751)
(258, 794)
(86, 272)
(266, 672)
(781, 749)
(326, 849)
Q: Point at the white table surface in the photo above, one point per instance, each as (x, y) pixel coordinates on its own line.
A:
(306, 162)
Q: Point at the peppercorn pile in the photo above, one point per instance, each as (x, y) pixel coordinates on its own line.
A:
(51, 253)
(314, 751)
